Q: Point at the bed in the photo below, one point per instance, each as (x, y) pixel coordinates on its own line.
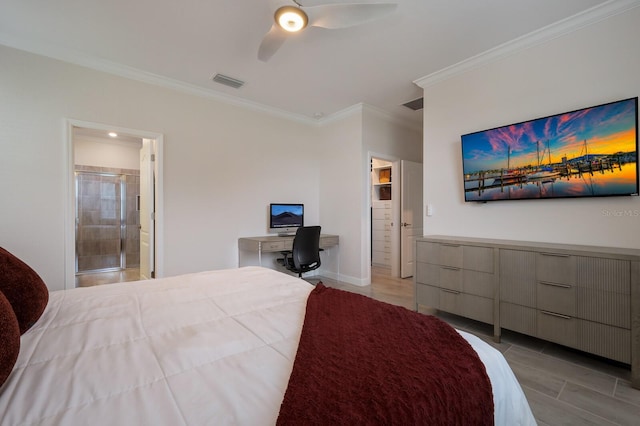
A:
(207, 348)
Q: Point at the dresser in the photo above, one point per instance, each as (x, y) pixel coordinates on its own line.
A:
(381, 215)
(583, 297)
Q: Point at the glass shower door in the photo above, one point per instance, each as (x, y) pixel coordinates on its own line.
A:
(99, 221)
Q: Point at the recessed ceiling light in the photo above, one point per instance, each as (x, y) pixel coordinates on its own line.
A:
(113, 134)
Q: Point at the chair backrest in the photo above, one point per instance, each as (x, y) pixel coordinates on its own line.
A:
(306, 247)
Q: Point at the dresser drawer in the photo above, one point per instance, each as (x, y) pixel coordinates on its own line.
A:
(376, 204)
(451, 301)
(477, 258)
(426, 252)
(383, 246)
(384, 214)
(477, 308)
(381, 235)
(381, 258)
(426, 273)
(558, 298)
(556, 268)
(605, 340)
(381, 225)
(605, 307)
(450, 278)
(450, 255)
(518, 318)
(478, 283)
(558, 328)
(427, 295)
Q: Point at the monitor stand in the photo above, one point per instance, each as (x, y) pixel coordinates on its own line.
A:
(286, 234)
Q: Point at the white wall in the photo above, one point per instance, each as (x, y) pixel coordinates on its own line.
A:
(104, 152)
(340, 186)
(594, 65)
(222, 164)
(344, 199)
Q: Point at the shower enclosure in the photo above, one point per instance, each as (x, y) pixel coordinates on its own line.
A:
(107, 219)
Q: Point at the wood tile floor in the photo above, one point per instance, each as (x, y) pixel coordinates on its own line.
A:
(98, 278)
(563, 386)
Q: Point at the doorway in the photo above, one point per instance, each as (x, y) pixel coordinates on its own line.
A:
(396, 214)
(106, 195)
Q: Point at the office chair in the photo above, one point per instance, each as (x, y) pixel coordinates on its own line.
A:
(305, 253)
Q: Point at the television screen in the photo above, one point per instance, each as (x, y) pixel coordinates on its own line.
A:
(591, 152)
(282, 216)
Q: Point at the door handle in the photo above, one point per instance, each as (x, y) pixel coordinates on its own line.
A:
(405, 224)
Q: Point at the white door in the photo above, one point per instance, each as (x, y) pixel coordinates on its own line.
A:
(147, 203)
(410, 214)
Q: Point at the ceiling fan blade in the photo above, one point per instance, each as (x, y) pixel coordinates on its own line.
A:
(271, 42)
(335, 16)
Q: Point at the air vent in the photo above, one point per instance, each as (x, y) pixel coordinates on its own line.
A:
(228, 81)
(415, 104)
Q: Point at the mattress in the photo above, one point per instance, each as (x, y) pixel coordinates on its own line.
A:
(207, 348)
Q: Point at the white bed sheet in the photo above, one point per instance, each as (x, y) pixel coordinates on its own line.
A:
(199, 349)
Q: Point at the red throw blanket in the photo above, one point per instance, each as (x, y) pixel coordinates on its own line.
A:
(364, 362)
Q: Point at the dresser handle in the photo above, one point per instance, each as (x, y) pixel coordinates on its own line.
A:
(450, 291)
(451, 268)
(450, 245)
(553, 314)
(555, 284)
(556, 254)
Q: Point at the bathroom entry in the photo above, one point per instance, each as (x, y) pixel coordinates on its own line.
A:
(107, 206)
(107, 219)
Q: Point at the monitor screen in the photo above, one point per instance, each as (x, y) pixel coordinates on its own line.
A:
(285, 218)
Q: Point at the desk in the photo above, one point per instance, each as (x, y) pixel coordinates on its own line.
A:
(274, 243)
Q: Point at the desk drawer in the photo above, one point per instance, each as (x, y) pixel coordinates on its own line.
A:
(274, 246)
(328, 241)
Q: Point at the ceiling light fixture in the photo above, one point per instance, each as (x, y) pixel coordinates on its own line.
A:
(113, 134)
(291, 18)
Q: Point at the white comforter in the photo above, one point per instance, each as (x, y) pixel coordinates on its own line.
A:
(199, 349)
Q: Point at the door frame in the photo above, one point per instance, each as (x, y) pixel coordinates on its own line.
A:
(70, 214)
(395, 240)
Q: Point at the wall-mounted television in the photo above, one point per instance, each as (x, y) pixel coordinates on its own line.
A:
(590, 152)
(285, 219)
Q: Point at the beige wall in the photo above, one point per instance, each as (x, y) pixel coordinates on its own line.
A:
(591, 66)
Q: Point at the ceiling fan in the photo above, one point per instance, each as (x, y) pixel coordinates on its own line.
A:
(294, 18)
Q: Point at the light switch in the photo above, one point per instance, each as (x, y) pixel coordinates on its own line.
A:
(429, 209)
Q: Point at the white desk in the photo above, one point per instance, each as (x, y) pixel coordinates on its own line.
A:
(273, 244)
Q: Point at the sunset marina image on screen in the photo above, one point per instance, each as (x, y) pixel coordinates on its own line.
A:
(590, 152)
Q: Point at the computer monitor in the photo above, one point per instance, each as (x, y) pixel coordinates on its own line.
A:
(285, 219)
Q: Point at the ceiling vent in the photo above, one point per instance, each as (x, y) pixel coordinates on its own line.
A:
(228, 81)
(416, 104)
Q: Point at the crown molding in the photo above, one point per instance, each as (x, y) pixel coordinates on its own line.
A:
(534, 38)
(361, 108)
(109, 67)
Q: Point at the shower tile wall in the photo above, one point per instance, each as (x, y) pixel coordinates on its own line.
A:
(98, 235)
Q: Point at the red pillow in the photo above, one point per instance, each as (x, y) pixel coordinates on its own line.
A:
(23, 288)
(10, 338)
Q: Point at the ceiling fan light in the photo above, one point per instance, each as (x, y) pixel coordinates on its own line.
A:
(291, 18)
